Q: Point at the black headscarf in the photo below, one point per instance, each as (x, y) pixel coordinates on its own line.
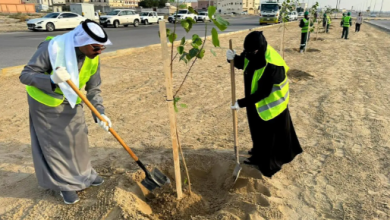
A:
(255, 41)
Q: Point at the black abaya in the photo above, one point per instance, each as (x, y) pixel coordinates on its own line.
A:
(274, 142)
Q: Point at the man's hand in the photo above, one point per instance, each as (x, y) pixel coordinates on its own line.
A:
(235, 106)
(230, 54)
(60, 75)
(105, 125)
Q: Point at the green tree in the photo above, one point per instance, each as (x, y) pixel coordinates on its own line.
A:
(183, 6)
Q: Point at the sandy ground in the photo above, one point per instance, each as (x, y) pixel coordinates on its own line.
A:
(339, 101)
(10, 24)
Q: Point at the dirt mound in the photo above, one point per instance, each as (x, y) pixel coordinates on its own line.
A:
(214, 194)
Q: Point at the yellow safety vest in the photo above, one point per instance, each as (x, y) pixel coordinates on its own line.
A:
(277, 101)
(329, 21)
(88, 69)
(305, 28)
(346, 21)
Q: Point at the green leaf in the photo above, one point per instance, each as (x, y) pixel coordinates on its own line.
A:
(186, 25)
(213, 52)
(193, 52)
(183, 105)
(214, 36)
(183, 41)
(168, 32)
(221, 23)
(192, 10)
(180, 49)
(194, 37)
(183, 57)
(201, 54)
(190, 20)
(175, 101)
(185, 181)
(172, 37)
(196, 42)
(211, 11)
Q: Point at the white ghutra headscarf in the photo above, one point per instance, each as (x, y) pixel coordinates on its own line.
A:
(62, 52)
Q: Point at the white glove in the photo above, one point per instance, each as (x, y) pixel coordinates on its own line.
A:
(230, 54)
(60, 75)
(105, 125)
(235, 106)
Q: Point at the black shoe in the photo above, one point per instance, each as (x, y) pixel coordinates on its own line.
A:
(98, 181)
(70, 197)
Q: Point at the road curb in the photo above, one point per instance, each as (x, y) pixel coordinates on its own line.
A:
(15, 70)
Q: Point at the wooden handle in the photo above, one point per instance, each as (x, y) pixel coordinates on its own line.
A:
(233, 82)
(95, 111)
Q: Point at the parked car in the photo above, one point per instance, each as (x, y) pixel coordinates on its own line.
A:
(203, 16)
(182, 14)
(373, 15)
(120, 17)
(292, 16)
(300, 14)
(244, 13)
(55, 21)
(149, 17)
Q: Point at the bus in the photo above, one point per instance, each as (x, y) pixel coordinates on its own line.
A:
(270, 12)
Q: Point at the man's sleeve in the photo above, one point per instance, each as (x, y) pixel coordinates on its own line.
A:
(94, 92)
(33, 73)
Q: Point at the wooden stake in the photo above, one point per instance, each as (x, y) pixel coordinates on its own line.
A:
(307, 36)
(282, 41)
(172, 116)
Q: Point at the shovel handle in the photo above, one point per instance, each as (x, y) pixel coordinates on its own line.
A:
(95, 111)
(233, 82)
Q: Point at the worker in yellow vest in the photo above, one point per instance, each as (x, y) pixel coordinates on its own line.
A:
(346, 22)
(59, 135)
(266, 101)
(326, 22)
(305, 31)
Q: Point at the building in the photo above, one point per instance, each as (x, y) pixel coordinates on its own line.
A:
(229, 6)
(108, 3)
(251, 6)
(238, 6)
(204, 4)
(16, 6)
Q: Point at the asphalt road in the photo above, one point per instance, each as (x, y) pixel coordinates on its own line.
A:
(382, 23)
(18, 47)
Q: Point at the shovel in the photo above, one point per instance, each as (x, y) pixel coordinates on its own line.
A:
(152, 179)
(238, 168)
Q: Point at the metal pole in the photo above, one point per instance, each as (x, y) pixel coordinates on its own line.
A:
(381, 9)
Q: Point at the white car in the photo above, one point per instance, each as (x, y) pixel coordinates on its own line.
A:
(292, 16)
(120, 17)
(148, 17)
(55, 21)
(203, 16)
(244, 13)
(182, 14)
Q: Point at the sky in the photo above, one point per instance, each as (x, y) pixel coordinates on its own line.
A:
(347, 4)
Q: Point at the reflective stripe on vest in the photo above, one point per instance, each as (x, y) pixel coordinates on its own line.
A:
(273, 105)
(305, 28)
(88, 69)
(346, 21)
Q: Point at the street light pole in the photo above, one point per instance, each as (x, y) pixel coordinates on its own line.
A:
(381, 9)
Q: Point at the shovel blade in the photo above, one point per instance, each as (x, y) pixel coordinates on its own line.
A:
(236, 172)
(155, 179)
